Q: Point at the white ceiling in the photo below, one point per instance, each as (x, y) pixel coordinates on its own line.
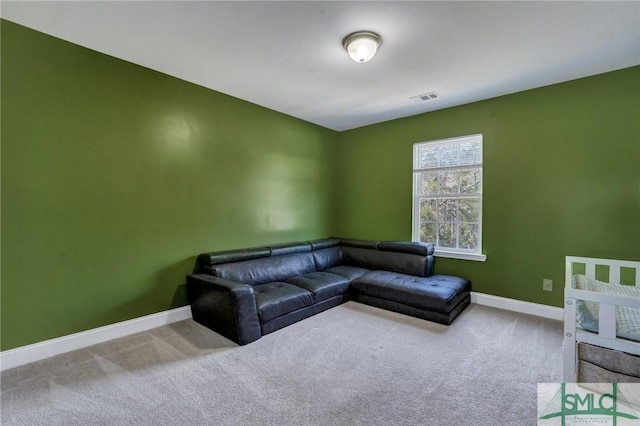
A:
(288, 56)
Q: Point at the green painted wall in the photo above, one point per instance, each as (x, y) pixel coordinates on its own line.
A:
(114, 177)
(561, 177)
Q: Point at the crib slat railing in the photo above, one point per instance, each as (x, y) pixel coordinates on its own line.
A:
(614, 274)
(611, 299)
(569, 349)
(591, 270)
(607, 321)
(615, 268)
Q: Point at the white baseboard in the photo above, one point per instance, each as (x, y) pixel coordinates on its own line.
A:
(521, 306)
(48, 348)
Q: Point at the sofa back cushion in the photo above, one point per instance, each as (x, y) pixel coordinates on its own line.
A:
(207, 261)
(327, 258)
(266, 269)
(401, 262)
(288, 248)
(324, 243)
(413, 247)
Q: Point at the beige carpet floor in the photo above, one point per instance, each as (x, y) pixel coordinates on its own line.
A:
(351, 365)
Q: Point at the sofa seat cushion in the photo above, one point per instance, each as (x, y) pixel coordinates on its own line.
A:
(323, 285)
(349, 272)
(439, 293)
(278, 298)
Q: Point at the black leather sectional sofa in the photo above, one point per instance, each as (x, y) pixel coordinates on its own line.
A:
(245, 294)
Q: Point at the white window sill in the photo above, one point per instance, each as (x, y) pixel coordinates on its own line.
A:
(478, 257)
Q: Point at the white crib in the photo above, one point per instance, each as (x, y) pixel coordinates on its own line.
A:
(607, 335)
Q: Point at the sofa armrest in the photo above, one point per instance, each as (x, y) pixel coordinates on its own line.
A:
(226, 307)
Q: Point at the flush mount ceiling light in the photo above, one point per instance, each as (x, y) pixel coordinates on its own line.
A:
(362, 45)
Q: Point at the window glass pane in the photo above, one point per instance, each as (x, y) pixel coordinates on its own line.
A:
(447, 210)
(429, 183)
(470, 153)
(469, 209)
(469, 236)
(428, 232)
(447, 235)
(470, 181)
(428, 156)
(448, 155)
(428, 210)
(448, 181)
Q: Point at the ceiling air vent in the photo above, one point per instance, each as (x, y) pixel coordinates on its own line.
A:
(425, 97)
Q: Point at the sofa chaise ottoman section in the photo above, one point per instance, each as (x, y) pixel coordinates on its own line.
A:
(438, 295)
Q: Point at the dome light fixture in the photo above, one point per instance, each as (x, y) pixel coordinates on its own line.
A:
(362, 45)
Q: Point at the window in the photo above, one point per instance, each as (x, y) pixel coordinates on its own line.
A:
(447, 196)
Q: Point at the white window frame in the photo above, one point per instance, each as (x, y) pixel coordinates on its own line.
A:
(456, 253)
